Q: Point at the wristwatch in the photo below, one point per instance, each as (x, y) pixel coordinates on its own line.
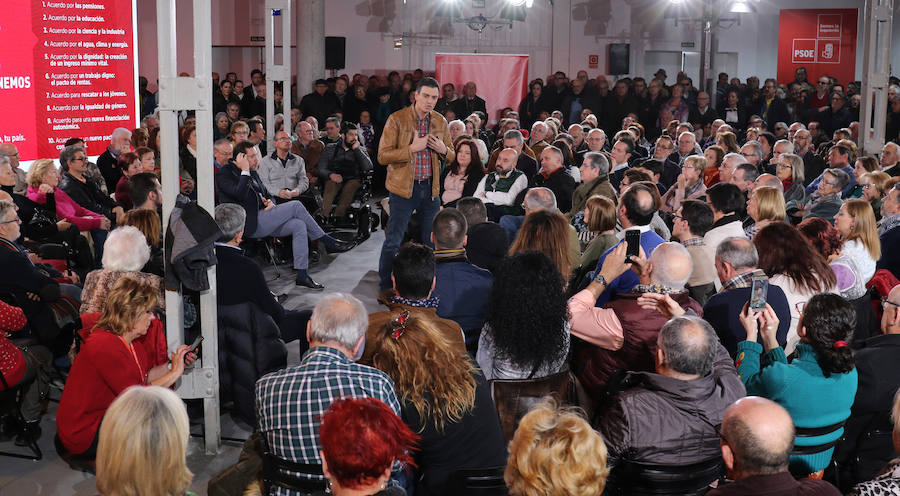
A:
(601, 280)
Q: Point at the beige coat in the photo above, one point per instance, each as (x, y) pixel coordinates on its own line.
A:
(393, 151)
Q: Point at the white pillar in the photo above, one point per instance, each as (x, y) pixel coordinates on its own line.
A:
(876, 71)
(277, 12)
(310, 44)
(176, 94)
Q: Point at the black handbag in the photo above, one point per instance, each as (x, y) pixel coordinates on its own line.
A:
(43, 221)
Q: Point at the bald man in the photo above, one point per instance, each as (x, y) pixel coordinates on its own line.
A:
(12, 153)
(499, 189)
(861, 455)
(757, 436)
(890, 156)
(623, 322)
(654, 418)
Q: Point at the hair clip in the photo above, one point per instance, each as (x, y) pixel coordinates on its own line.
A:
(398, 324)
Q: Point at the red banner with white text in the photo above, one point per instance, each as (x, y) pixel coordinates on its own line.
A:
(501, 80)
(67, 69)
(821, 40)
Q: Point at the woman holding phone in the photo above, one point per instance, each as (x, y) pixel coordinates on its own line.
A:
(109, 363)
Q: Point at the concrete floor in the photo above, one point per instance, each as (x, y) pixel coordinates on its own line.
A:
(354, 272)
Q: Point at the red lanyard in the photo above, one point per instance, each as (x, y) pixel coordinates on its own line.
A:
(133, 355)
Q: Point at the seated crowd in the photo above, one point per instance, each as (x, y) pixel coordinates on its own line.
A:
(602, 246)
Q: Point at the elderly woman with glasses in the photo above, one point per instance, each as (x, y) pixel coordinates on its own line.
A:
(790, 169)
(825, 201)
(874, 187)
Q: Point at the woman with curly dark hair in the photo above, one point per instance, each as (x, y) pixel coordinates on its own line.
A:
(461, 177)
(526, 331)
(818, 387)
(443, 398)
(792, 264)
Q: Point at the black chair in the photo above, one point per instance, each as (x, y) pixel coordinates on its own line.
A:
(477, 482)
(280, 472)
(514, 398)
(807, 432)
(639, 479)
(11, 399)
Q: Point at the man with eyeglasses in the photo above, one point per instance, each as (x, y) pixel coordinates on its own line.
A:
(861, 455)
(309, 147)
(73, 162)
(813, 165)
(12, 152)
(282, 172)
(889, 232)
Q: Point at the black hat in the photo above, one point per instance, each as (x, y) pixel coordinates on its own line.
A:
(321, 81)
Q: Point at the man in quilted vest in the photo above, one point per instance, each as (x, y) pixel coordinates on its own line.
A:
(499, 189)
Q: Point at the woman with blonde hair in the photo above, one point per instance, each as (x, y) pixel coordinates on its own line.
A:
(547, 231)
(110, 361)
(600, 217)
(875, 185)
(143, 444)
(149, 224)
(556, 452)
(443, 398)
(856, 223)
(766, 205)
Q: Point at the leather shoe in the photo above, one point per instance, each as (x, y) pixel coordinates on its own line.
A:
(340, 247)
(308, 282)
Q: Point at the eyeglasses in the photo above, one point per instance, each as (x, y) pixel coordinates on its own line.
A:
(17, 220)
(866, 186)
(885, 301)
(829, 183)
(800, 305)
(784, 166)
(823, 82)
(79, 159)
(748, 154)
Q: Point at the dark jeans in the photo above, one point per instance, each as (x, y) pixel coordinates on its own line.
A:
(98, 236)
(425, 207)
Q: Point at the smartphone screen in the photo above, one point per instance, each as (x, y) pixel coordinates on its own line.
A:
(759, 289)
(633, 240)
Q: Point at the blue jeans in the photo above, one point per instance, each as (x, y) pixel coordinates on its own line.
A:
(425, 206)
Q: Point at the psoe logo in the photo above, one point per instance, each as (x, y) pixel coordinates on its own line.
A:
(829, 51)
(803, 50)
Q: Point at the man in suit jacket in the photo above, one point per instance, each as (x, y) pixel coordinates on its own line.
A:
(238, 182)
(239, 279)
(470, 102)
(862, 452)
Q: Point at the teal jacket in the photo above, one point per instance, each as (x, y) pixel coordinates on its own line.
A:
(801, 387)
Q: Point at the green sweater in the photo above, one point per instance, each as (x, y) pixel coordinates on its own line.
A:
(801, 387)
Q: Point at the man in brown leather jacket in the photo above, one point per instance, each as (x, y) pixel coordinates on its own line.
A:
(414, 143)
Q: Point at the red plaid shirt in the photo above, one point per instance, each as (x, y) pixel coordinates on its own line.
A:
(423, 158)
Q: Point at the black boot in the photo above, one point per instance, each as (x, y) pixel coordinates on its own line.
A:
(30, 433)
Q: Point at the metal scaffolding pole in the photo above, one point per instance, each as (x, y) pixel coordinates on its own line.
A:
(876, 72)
(275, 10)
(177, 94)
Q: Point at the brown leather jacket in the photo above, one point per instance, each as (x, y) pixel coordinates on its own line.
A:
(393, 151)
(310, 155)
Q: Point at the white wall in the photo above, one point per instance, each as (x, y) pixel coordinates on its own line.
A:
(560, 36)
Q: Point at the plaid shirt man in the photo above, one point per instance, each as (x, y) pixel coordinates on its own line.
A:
(742, 281)
(290, 402)
(698, 241)
(423, 157)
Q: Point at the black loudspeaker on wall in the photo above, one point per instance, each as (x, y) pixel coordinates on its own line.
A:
(335, 49)
(619, 58)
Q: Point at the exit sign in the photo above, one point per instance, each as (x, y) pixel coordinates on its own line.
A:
(687, 44)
